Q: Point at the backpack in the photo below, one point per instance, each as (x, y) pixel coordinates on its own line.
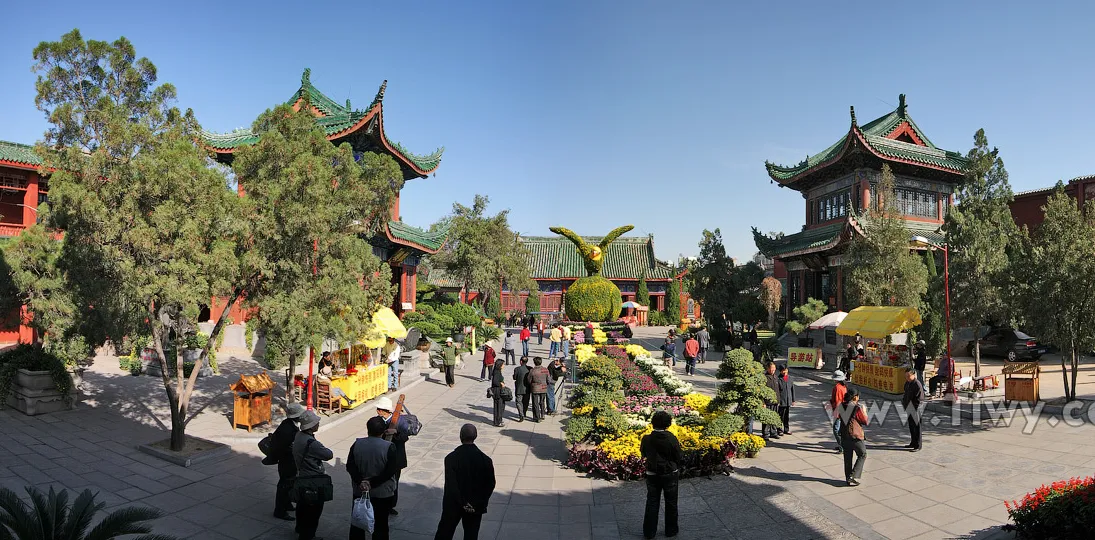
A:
(413, 424)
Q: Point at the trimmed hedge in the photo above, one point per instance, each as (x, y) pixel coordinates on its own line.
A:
(593, 298)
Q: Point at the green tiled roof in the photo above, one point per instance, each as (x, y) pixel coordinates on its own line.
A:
(807, 241)
(335, 120)
(432, 241)
(441, 279)
(625, 258)
(931, 231)
(874, 135)
(19, 153)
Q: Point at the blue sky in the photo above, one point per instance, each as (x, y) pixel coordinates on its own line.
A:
(594, 114)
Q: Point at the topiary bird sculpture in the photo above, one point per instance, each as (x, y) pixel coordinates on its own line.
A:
(593, 256)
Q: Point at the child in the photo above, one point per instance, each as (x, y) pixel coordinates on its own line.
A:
(786, 398)
(669, 350)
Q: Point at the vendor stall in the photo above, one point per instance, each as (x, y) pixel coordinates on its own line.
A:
(362, 383)
(251, 403)
(886, 355)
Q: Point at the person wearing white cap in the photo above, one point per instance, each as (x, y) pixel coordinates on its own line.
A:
(282, 451)
(309, 455)
(450, 352)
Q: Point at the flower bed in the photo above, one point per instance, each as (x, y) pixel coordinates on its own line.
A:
(663, 375)
(1064, 509)
(612, 407)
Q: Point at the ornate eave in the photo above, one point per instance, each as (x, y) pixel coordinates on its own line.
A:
(363, 129)
(892, 138)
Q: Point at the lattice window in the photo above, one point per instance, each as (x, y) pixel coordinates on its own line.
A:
(830, 207)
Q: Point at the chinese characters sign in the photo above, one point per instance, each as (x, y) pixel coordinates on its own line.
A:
(803, 357)
(884, 378)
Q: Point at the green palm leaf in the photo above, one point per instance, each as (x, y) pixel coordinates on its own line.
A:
(49, 516)
(124, 521)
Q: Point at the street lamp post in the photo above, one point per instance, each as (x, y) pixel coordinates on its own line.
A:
(947, 302)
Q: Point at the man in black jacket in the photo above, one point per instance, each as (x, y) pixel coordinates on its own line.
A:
(771, 430)
(910, 400)
(373, 463)
(521, 393)
(398, 435)
(282, 450)
(469, 483)
(662, 453)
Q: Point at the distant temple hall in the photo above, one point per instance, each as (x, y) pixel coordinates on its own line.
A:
(400, 245)
(838, 185)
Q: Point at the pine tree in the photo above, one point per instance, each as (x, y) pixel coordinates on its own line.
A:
(673, 302)
(932, 309)
(980, 231)
(532, 303)
(642, 295)
(745, 393)
(883, 272)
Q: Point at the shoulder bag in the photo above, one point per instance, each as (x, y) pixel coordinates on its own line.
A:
(311, 489)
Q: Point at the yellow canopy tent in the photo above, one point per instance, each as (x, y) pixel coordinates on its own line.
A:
(385, 324)
(877, 322)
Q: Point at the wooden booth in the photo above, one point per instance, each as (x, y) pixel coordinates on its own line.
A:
(252, 400)
(1021, 381)
(885, 358)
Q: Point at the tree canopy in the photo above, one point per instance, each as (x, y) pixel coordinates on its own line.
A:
(483, 252)
(728, 292)
(1055, 285)
(883, 272)
(980, 231)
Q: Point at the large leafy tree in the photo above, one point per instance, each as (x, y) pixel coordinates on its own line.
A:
(727, 292)
(149, 226)
(309, 272)
(883, 272)
(1057, 289)
(933, 309)
(980, 231)
(483, 251)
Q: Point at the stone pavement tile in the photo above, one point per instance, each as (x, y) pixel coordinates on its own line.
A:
(997, 513)
(571, 483)
(177, 526)
(892, 475)
(879, 490)
(973, 503)
(939, 514)
(509, 449)
(146, 484)
(900, 527)
(533, 497)
(172, 500)
(852, 497)
(133, 494)
(742, 517)
(968, 524)
(45, 451)
(538, 471)
(243, 527)
(541, 531)
(575, 498)
(908, 503)
(933, 534)
(942, 492)
(579, 513)
(871, 513)
(540, 484)
(106, 481)
(575, 531)
(509, 459)
(208, 515)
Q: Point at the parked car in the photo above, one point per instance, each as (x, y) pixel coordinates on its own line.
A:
(1009, 343)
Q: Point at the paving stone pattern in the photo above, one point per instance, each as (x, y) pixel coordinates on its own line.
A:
(952, 489)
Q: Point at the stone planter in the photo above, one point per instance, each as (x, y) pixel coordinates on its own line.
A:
(33, 393)
(77, 376)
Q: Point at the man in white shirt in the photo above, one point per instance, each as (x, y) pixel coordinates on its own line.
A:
(394, 351)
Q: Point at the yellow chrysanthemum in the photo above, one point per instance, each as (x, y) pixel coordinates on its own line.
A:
(696, 401)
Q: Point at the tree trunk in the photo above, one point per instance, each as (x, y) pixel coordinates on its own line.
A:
(976, 356)
(178, 427)
(772, 319)
(1075, 369)
(1064, 377)
(187, 389)
(290, 395)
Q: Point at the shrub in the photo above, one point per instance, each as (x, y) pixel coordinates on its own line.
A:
(72, 352)
(746, 444)
(461, 314)
(249, 334)
(429, 329)
(593, 298)
(607, 424)
(487, 333)
(658, 318)
(724, 425)
(578, 428)
(444, 322)
(601, 372)
(1064, 509)
(744, 392)
(598, 398)
(32, 358)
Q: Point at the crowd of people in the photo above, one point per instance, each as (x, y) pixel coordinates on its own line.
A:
(374, 464)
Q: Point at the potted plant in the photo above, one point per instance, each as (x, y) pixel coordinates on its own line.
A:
(35, 381)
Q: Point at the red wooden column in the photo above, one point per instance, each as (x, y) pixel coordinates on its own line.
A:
(30, 201)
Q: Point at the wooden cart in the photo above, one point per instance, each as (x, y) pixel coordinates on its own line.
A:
(252, 400)
(1021, 381)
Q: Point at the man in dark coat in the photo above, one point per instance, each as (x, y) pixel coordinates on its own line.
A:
(282, 450)
(770, 430)
(398, 435)
(911, 400)
(662, 456)
(538, 380)
(521, 395)
(373, 463)
(786, 398)
(469, 483)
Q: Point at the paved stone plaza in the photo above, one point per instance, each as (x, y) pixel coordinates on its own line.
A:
(954, 488)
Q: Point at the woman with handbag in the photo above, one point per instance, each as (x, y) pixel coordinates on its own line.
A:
(312, 486)
(497, 386)
(853, 417)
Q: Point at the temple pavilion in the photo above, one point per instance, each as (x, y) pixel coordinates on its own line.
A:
(837, 185)
(402, 246)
